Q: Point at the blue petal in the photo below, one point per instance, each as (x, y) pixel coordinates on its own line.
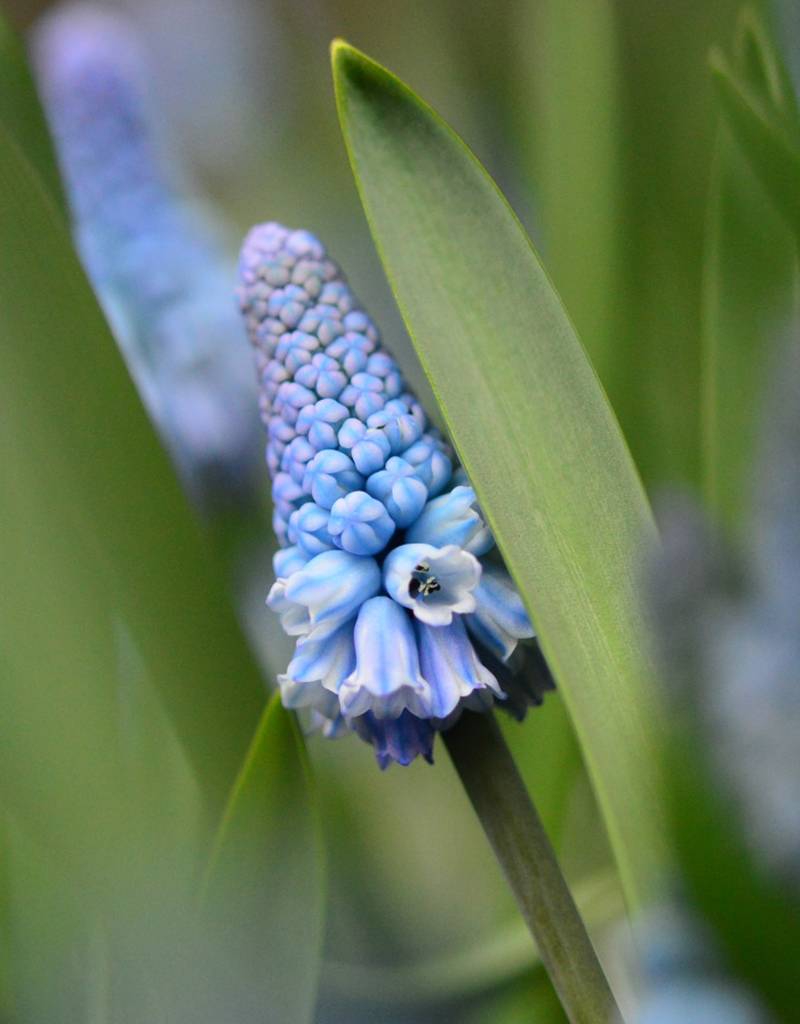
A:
(288, 560)
(500, 619)
(451, 666)
(453, 518)
(387, 678)
(396, 739)
(331, 588)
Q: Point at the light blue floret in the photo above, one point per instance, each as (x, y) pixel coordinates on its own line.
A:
(325, 593)
(387, 678)
(448, 657)
(500, 619)
(453, 518)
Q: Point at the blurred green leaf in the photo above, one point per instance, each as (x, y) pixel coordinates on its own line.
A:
(21, 113)
(570, 131)
(754, 918)
(531, 425)
(96, 531)
(264, 890)
(750, 272)
(768, 135)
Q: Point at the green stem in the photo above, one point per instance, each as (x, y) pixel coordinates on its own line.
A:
(518, 838)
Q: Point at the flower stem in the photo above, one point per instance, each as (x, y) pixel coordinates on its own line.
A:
(513, 827)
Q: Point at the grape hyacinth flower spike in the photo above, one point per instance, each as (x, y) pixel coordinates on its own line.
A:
(387, 573)
(152, 256)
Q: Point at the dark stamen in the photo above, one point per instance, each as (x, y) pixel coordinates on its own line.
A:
(422, 584)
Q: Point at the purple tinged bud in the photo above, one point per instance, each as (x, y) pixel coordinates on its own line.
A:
(403, 493)
(308, 528)
(330, 476)
(364, 395)
(350, 432)
(288, 560)
(399, 739)
(322, 375)
(371, 452)
(360, 524)
(297, 454)
(351, 351)
(320, 422)
(295, 350)
(291, 398)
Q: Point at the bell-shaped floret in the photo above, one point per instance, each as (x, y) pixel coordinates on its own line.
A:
(435, 583)
(317, 670)
(453, 518)
(323, 595)
(500, 619)
(451, 666)
(387, 678)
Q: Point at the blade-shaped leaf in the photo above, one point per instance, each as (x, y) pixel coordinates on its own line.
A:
(264, 889)
(768, 136)
(531, 425)
(748, 291)
(104, 487)
(21, 113)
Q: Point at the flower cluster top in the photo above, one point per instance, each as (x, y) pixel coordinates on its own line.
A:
(152, 257)
(385, 575)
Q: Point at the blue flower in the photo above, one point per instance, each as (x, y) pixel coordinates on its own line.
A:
(153, 259)
(400, 625)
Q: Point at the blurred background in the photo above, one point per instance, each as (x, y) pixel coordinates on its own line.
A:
(598, 121)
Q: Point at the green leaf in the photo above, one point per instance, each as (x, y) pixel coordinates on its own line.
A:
(531, 425)
(724, 880)
(99, 520)
(21, 113)
(748, 284)
(572, 125)
(768, 135)
(264, 890)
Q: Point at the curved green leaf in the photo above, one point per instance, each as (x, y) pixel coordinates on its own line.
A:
(264, 889)
(750, 271)
(768, 136)
(531, 425)
(22, 114)
(100, 497)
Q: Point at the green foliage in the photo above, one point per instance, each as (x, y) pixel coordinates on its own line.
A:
(263, 892)
(116, 613)
(764, 122)
(21, 113)
(531, 425)
(751, 272)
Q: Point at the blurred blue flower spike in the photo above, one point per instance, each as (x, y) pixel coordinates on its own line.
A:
(153, 258)
(380, 575)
